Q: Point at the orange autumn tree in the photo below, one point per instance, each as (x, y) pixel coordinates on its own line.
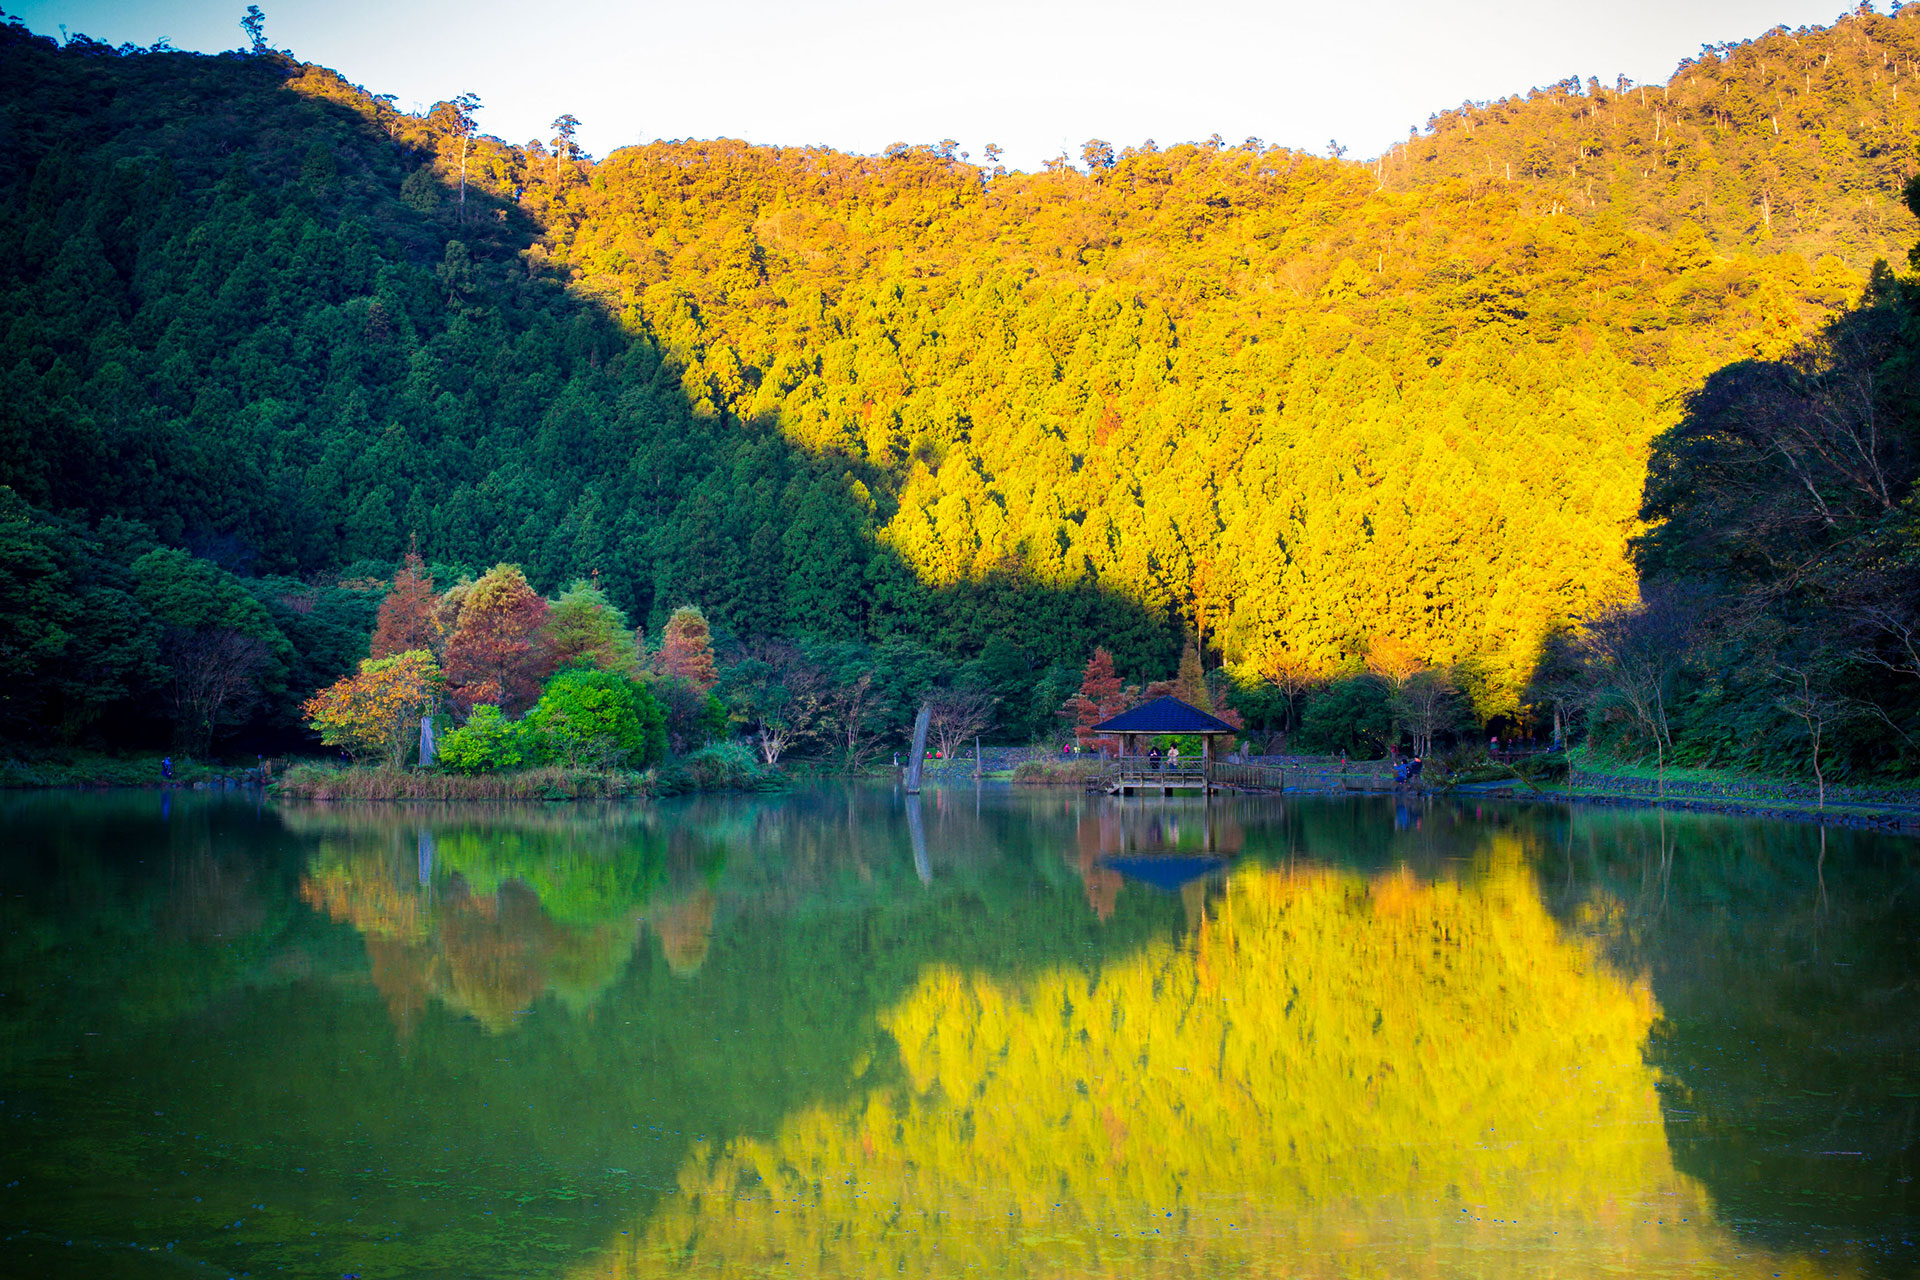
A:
(498, 654)
(1193, 686)
(377, 711)
(1189, 684)
(686, 649)
(409, 616)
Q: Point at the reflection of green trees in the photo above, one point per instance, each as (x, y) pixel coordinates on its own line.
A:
(1784, 961)
(491, 910)
(586, 1108)
(173, 913)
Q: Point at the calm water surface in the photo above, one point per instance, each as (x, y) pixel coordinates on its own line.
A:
(840, 1033)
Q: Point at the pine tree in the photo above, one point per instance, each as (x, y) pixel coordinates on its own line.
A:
(584, 629)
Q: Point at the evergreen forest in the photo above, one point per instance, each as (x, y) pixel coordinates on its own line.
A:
(1587, 411)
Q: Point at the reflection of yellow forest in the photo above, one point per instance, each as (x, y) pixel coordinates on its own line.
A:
(487, 925)
(1328, 1076)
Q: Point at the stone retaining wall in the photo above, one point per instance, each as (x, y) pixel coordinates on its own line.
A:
(1743, 789)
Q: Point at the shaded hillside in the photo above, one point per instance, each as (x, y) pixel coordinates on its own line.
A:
(249, 321)
(233, 320)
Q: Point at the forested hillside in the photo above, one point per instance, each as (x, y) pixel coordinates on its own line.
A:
(1789, 142)
(1253, 386)
(1287, 404)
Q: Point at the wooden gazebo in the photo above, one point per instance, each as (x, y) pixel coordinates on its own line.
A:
(1165, 718)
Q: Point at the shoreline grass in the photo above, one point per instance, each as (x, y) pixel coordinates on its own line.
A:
(374, 782)
(725, 769)
(1057, 773)
(1738, 782)
(89, 769)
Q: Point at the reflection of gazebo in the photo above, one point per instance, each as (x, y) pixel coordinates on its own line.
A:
(1168, 872)
(1166, 717)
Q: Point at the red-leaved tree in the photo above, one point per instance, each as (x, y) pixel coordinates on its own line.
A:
(409, 617)
(498, 653)
(1101, 697)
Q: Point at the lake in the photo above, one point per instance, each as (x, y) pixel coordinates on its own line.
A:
(840, 1032)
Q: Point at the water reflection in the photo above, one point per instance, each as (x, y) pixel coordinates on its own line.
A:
(1356, 1071)
(837, 1033)
(1164, 846)
(490, 911)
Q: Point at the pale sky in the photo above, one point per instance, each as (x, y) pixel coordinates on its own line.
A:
(1037, 77)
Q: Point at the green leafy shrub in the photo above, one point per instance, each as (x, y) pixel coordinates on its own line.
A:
(487, 743)
(1548, 766)
(598, 719)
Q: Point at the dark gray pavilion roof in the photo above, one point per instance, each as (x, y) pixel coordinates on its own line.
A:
(1164, 715)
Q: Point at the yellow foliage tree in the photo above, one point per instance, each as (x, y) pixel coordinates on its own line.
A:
(377, 711)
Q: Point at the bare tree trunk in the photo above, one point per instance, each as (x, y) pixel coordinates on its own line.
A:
(1819, 779)
(920, 724)
(1820, 870)
(1662, 740)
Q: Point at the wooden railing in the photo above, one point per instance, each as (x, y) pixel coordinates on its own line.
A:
(1147, 764)
(1139, 772)
(1253, 777)
(1371, 776)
